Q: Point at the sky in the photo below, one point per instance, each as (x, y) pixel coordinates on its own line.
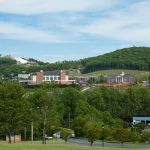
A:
(57, 30)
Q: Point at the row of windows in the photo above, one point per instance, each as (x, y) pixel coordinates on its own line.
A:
(51, 78)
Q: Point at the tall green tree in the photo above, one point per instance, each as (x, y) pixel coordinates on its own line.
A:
(12, 107)
(42, 109)
(92, 132)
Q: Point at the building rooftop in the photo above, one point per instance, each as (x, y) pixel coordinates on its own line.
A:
(52, 73)
(142, 118)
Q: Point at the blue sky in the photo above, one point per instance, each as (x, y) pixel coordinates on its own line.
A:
(56, 30)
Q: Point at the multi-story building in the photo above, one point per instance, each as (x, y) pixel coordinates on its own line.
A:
(122, 78)
(57, 76)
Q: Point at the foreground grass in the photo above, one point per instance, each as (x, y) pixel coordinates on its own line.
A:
(57, 145)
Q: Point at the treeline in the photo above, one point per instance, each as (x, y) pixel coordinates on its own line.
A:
(51, 109)
(9, 68)
(4, 61)
(134, 58)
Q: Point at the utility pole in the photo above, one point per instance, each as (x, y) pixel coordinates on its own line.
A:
(69, 120)
(102, 135)
(44, 125)
(25, 133)
(32, 131)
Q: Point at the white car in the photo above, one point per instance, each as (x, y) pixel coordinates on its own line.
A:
(48, 137)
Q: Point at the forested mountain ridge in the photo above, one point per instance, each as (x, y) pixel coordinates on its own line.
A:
(133, 58)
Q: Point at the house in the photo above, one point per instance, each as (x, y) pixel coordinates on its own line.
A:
(146, 83)
(23, 76)
(81, 79)
(121, 78)
(84, 79)
(23, 61)
(57, 76)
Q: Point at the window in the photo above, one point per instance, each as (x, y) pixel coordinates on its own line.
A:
(55, 78)
(46, 78)
(51, 78)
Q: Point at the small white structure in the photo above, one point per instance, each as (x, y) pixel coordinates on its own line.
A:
(21, 60)
(23, 76)
(145, 120)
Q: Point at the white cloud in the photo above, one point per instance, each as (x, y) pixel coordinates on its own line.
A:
(130, 24)
(27, 7)
(14, 31)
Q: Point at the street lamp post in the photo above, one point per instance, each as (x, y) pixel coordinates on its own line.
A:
(103, 135)
(32, 125)
(31, 109)
(32, 131)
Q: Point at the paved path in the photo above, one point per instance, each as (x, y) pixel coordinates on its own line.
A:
(99, 144)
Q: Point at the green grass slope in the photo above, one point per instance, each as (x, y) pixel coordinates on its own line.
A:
(140, 75)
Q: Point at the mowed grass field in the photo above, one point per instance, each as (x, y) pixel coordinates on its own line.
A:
(136, 73)
(55, 145)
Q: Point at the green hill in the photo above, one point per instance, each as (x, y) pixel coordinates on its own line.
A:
(133, 58)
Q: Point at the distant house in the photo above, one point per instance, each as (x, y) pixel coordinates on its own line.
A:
(121, 78)
(57, 76)
(23, 61)
(146, 83)
(23, 76)
(81, 79)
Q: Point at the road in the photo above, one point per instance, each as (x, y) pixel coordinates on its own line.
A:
(99, 144)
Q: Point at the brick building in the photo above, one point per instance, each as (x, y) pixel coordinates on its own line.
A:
(57, 76)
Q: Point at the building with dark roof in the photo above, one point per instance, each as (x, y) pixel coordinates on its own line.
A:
(58, 76)
(121, 78)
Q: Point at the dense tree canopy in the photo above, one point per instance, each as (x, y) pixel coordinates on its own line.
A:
(52, 109)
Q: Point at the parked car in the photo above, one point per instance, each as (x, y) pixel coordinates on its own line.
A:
(48, 137)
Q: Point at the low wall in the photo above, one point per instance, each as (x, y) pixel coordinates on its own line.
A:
(14, 139)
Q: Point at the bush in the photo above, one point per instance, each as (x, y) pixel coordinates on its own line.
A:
(139, 127)
(135, 136)
(65, 133)
(145, 137)
(122, 135)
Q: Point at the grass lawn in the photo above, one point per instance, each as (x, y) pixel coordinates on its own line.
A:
(56, 145)
(136, 73)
